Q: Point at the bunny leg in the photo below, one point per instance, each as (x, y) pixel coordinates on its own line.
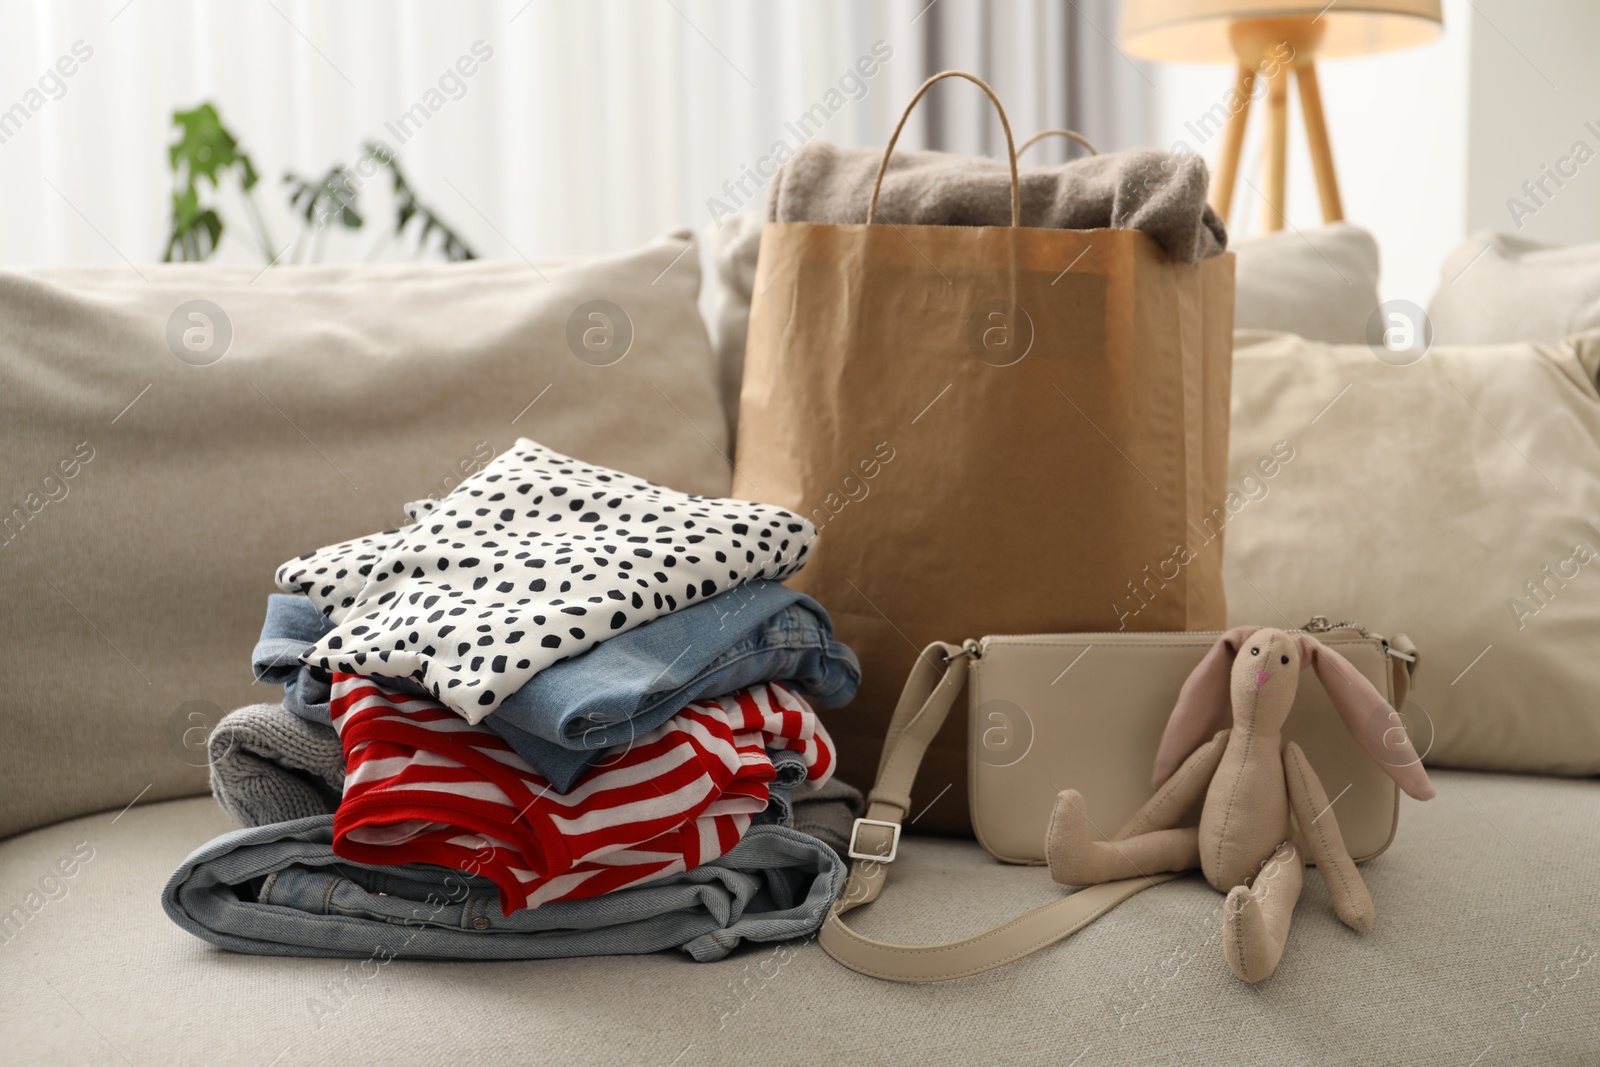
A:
(1078, 855)
(1178, 793)
(1320, 829)
(1255, 924)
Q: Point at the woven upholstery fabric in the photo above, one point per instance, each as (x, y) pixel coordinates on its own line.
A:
(1486, 909)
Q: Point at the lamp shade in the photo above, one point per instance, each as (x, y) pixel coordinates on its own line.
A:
(1196, 31)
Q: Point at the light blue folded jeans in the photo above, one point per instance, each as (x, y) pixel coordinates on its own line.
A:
(563, 718)
(293, 624)
(280, 891)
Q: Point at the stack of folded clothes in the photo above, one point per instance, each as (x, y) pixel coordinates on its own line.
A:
(561, 694)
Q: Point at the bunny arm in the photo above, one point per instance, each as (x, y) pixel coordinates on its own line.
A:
(1320, 828)
(1180, 792)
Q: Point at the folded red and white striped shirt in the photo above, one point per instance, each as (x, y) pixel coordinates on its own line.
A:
(423, 785)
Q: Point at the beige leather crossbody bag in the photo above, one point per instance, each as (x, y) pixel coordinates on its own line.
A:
(1086, 712)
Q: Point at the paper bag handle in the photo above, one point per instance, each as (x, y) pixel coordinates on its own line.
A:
(1071, 135)
(1011, 148)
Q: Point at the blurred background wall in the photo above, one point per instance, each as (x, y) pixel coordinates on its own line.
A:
(590, 125)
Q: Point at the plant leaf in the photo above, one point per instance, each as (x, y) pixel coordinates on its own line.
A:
(247, 172)
(203, 146)
(195, 230)
(333, 196)
(408, 207)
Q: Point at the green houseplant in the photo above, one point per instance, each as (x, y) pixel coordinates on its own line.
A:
(205, 153)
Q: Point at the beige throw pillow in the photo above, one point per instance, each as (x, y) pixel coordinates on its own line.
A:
(164, 456)
(1456, 500)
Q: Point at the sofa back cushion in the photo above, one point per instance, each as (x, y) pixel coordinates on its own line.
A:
(159, 466)
(1496, 288)
(1320, 284)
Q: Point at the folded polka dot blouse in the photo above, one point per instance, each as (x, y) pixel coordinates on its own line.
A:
(534, 559)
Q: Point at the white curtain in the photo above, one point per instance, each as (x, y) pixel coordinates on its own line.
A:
(584, 126)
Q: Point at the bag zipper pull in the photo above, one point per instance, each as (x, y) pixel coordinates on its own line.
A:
(1319, 624)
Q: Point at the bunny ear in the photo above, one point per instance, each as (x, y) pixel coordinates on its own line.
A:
(1204, 705)
(1368, 716)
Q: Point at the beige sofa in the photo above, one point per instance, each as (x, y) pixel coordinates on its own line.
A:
(133, 593)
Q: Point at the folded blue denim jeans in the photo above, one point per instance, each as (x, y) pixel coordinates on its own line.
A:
(293, 624)
(563, 718)
(280, 891)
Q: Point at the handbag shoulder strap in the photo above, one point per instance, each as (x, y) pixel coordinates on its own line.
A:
(931, 689)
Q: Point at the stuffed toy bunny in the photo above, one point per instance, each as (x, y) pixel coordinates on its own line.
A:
(1251, 782)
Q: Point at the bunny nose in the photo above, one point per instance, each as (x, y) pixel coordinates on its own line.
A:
(1261, 677)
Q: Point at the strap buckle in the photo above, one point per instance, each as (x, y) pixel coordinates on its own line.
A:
(894, 841)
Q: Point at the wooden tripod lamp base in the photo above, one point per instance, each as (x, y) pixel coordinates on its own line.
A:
(1269, 40)
(1270, 49)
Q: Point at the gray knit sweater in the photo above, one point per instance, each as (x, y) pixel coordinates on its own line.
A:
(268, 765)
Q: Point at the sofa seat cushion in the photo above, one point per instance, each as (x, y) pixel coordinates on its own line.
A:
(1485, 934)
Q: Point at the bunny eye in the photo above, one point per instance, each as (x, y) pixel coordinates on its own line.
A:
(1286, 659)
(1255, 652)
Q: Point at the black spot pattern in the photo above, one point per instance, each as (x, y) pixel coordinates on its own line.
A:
(521, 579)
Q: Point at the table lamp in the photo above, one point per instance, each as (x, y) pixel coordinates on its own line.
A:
(1268, 39)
